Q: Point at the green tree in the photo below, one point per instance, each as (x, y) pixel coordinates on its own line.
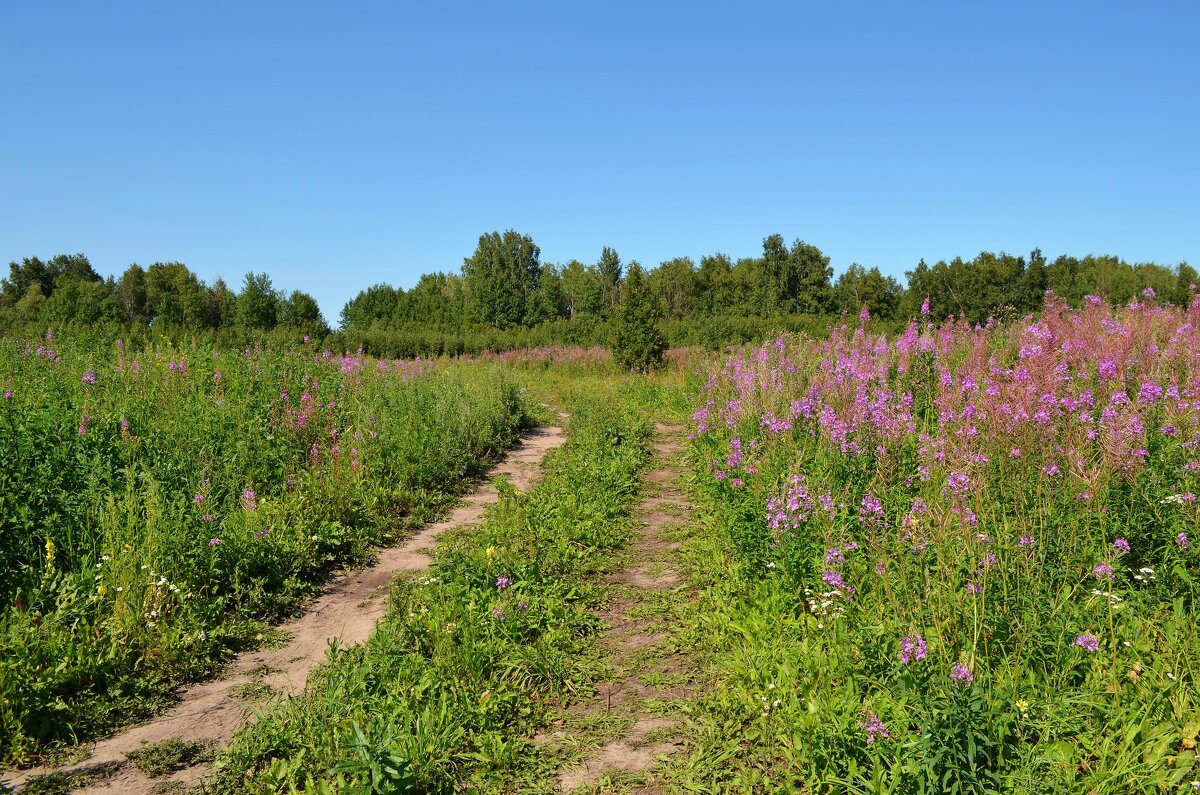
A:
(301, 311)
(549, 301)
(131, 296)
(377, 302)
(796, 280)
(221, 306)
(1034, 282)
(81, 302)
(257, 305)
(674, 282)
(859, 287)
(501, 278)
(638, 342)
(31, 271)
(609, 268)
(175, 296)
(583, 290)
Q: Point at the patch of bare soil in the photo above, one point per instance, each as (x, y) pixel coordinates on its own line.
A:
(345, 613)
(648, 673)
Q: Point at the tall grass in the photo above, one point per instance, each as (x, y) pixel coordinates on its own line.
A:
(968, 556)
(157, 505)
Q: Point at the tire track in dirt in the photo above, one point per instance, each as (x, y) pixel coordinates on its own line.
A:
(649, 671)
(345, 613)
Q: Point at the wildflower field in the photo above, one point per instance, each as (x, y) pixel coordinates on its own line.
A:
(955, 559)
(964, 559)
(160, 507)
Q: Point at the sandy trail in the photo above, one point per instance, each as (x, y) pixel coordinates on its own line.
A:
(346, 613)
(637, 642)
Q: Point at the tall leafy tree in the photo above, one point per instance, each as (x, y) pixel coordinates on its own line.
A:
(301, 311)
(175, 295)
(795, 280)
(609, 268)
(377, 302)
(257, 305)
(859, 287)
(501, 277)
(583, 289)
(674, 282)
(131, 296)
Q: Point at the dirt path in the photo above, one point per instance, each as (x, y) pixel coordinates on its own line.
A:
(632, 722)
(346, 611)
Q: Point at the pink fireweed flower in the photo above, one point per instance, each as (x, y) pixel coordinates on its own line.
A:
(8, 394)
(962, 674)
(1181, 540)
(1087, 642)
(1121, 546)
(834, 579)
(214, 542)
(873, 726)
(912, 648)
(1025, 541)
(249, 500)
(871, 510)
(1103, 572)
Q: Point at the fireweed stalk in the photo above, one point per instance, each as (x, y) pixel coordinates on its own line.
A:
(1003, 487)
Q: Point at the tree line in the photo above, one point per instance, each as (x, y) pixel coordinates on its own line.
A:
(504, 285)
(66, 291)
(505, 296)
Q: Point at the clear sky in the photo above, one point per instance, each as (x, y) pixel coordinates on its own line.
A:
(335, 145)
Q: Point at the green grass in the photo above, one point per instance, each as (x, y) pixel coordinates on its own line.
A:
(167, 756)
(160, 508)
(448, 692)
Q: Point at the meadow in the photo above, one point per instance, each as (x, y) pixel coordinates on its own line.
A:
(959, 558)
(161, 507)
(966, 558)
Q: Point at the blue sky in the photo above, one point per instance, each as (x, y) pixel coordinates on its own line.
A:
(335, 145)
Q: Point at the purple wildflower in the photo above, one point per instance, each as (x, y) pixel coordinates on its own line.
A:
(962, 674)
(1087, 642)
(1103, 572)
(214, 542)
(502, 583)
(1121, 546)
(974, 587)
(1182, 540)
(873, 726)
(912, 648)
(8, 394)
(498, 613)
(249, 500)
(834, 579)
